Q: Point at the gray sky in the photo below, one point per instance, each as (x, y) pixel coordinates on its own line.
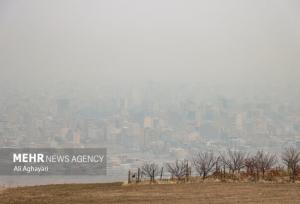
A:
(238, 43)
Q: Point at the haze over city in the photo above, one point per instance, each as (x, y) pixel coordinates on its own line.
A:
(147, 78)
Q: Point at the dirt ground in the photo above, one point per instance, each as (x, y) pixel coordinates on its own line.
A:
(1, 189)
(154, 193)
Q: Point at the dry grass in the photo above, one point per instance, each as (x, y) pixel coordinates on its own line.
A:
(1, 189)
(154, 193)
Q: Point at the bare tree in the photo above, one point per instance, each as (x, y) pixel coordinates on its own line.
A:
(204, 163)
(291, 158)
(234, 160)
(178, 169)
(264, 161)
(250, 163)
(218, 166)
(150, 170)
(222, 161)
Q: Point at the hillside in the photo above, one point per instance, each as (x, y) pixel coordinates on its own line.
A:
(165, 193)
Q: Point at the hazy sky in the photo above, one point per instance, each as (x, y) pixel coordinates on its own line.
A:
(234, 42)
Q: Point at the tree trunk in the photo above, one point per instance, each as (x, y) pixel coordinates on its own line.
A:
(129, 177)
(139, 174)
(161, 172)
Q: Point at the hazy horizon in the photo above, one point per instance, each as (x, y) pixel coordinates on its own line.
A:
(243, 45)
(149, 80)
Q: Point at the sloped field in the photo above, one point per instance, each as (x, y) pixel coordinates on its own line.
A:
(163, 193)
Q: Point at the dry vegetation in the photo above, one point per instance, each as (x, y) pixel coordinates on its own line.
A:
(232, 177)
(232, 165)
(209, 192)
